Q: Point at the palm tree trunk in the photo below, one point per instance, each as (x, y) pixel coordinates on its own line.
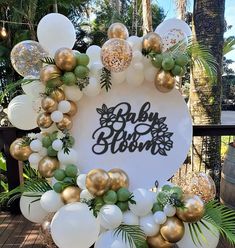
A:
(147, 16)
(134, 28)
(205, 97)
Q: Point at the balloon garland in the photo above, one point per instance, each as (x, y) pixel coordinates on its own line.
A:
(98, 207)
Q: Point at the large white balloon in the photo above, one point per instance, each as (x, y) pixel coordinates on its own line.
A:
(94, 53)
(74, 226)
(149, 226)
(110, 216)
(73, 93)
(93, 88)
(51, 201)
(135, 43)
(68, 158)
(55, 31)
(134, 77)
(33, 89)
(130, 219)
(150, 73)
(118, 77)
(144, 202)
(212, 238)
(31, 209)
(21, 113)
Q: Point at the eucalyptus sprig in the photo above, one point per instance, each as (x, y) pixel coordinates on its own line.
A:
(105, 80)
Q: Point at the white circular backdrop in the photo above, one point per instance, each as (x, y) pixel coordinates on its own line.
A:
(164, 128)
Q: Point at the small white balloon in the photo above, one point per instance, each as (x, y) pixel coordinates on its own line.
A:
(150, 73)
(133, 77)
(137, 66)
(67, 158)
(57, 145)
(34, 158)
(169, 210)
(110, 216)
(86, 195)
(57, 116)
(34, 166)
(39, 136)
(73, 93)
(144, 202)
(43, 152)
(93, 88)
(96, 69)
(51, 201)
(64, 106)
(160, 217)
(149, 226)
(94, 53)
(118, 77)
(130, 219)
(137, 56)
(135, 43)
(81, 181)
(36, 145)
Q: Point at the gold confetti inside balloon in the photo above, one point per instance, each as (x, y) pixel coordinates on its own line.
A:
(26, 58)
(118, 30)
(164, 81)
(119, 179)
(19, 151)
(49, 72)
(65, 124)
(47, 166)
(193, 210)
(152, 42)
(65, 59)
(116, 55)
(158, 241)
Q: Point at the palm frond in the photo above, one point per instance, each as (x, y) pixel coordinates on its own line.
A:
(132, 234)
(229, 45)
(105, 80)
(48, 60)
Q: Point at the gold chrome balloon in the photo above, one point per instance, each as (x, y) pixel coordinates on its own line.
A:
(164, 81)
(158, 241)
(119, 179)
(44, 120)
(65, 124)
(98, 182)
(71, 194)
(47, 166)
(193, 210)
(172, 230)
(152, 42)
(58, 95)
(49, 104)
(73, 110)
(49, 72)
(65, 59)
(19, 151)
(118, 30)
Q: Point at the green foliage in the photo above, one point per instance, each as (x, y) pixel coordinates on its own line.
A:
(48, 60)
(106, 79)
(132, 234)
(2, 163)
(229, 45)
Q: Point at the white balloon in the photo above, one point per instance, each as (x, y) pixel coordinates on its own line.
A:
(34, 166)
(118, 77)
(32, 209)
(86, 195)
(169, 210)
(21, 113)
(96, 69)
(110, 216)
(55, 31)
(57, 145)
(36, 145)
(39, 136)
(51, 201)
(74, 225)
(68, 158)
(149, 226)
(33, 89)
(150, 73)
(118, 244)
(34, 158)
(160, 217)
(133, 77)
(93, 88)
(135, 43)
(81, 181)
(212, 238)
(73, 93)
(144, 202)
(130, 219)
(43, 152)
(64, 106)
(138, 66)
(57, 116)
(137, 56)
(94, 53)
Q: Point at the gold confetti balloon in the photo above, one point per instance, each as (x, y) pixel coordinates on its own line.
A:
(26, 58)
(71, 194)
(65, 59)
(164, 81)
(49, 72)
(47, 166)
(158, 241)
(116, 55)
(19, 151)
(152, 42)
(118, 30)
(119, 179)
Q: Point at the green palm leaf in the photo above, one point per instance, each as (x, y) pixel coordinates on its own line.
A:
(133, 235)
(229, 45)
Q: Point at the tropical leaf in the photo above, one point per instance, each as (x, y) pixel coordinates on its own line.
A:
(48, 60)
(105, 80)
(229, 45)
(132, 234)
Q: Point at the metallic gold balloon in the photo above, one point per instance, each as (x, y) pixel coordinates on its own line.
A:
(19, 151)
(73, 109)
(152, 42)
(44, 120)
(71, 194)
(119, 179)
(65, 124)
(58, 95)
(49, 72)
(65, 59)
(194, 209)
(49, 104)
(158, 241)
(98, 182)
(47, 166)
(118, 30)
(164, 81)
(172, 230)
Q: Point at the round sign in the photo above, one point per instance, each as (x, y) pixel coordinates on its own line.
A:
(140, 130)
